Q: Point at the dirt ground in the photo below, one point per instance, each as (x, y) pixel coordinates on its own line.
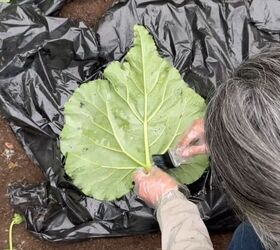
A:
(16, 167)
(87, 11)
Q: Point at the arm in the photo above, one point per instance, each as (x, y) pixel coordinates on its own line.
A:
(181, 225)
(179, 219)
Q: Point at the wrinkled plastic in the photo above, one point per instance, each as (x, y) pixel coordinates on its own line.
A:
(44, 59)
(47, 7)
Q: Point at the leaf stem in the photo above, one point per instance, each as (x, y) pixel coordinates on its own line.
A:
(17, 219)
(146, 139)
(11, 235)
(145, 124)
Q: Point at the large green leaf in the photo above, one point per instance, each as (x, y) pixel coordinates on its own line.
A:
(114, 126)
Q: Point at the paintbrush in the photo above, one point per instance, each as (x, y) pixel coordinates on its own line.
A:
(173, 158)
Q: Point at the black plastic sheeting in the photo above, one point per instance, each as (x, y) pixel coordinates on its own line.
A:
(46, 7)
(43, 59)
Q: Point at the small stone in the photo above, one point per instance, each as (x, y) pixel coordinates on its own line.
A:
(8, 153)
(9, 145)
(12, 165)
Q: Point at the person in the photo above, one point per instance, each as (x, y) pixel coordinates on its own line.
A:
(241, 133)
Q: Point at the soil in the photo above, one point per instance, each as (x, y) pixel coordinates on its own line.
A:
(88, 11)
(16, 167)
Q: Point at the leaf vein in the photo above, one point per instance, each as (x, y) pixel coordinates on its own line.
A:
(102, 166)
(126, 101)
(117, 139)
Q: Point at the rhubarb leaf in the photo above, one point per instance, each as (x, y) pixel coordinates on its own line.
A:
(114, 126)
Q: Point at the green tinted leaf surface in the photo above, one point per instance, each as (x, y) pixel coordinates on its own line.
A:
(114, 126)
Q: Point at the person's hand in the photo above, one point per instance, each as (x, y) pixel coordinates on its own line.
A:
(193, 143)
(153, 186)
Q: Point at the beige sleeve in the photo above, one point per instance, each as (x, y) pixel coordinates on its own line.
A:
(181, 225)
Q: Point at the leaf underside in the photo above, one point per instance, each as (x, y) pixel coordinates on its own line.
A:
(114, 126)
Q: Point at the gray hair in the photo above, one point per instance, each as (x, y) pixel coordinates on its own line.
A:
(243, 136)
